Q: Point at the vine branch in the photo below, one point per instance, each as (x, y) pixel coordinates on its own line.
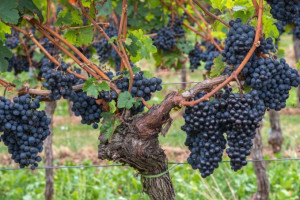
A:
(234, 74)
(211, 14)
(123, 55)
(51, 58)
(212, 40)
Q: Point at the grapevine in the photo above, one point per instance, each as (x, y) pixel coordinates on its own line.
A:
(93, 55)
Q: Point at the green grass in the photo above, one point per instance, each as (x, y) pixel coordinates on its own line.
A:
(120, 183)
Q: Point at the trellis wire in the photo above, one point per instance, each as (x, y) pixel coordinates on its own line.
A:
(121, 165)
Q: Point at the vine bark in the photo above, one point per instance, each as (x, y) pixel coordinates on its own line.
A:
(135, 142)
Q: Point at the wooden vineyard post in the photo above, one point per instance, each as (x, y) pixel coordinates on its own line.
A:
(49, 190)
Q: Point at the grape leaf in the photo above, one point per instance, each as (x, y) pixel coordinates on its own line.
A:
(3, 30)
(184, 45)
(125, 100)
(141, 46)
(108, 128)
(90, 87)
(4, 53)
(103, 86)
(93, 87)
(136, 69)
(112, 106)
(9, 12)
(218, 67)
(79, 37)
(105, 9)
(27, 6)
(68, 17)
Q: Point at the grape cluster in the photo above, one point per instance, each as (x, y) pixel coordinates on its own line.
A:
(142, 87)
(195, 56)
(272, 79)
(49, 46)
(205, 139)
(24, 129)
(207, 122)
(208, 55)
(165, 39)
(284, 10)
(104, 49)
(239, 41)
(12, 40)
(85, 51)
(17, 64)
(86, 107)
(244, 115)
(176, 26)
(59, 81)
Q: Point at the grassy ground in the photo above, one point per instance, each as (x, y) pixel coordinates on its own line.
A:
(120, 183)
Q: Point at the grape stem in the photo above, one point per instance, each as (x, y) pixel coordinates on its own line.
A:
(73, 48)
(25, 48)
(122, 54)
(55, 42)
(51, 58)
(184, 23)
(145, 103)
(256, 44)
(211, 14)
(212, 40)
(191, 16)
(6, 84)
(48, 12)
(255, 6)
(194, 30)
(105, 24)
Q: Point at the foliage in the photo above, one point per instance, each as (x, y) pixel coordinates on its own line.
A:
(88, 183)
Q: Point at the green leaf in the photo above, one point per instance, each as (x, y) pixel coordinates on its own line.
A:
(185, 45)
(107, 115)
(103, 86)
(246, 88)
(112, 39)
(105, 9)
(128, 41)
(38, 56)
(112, 106)
(3, 30)
(27, 6)
(108, 128)
(218, 67)
(9, 12)
(79, 37)
(141, 46)
(4, 53)
(68, 17)
(125, 100)
(136, 70)
(86, 3)
(90, 87)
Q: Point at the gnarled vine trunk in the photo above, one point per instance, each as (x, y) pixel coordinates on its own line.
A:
(297, 57)
(49, 190)
(135, 142)
(263, 185)
(275, 138)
